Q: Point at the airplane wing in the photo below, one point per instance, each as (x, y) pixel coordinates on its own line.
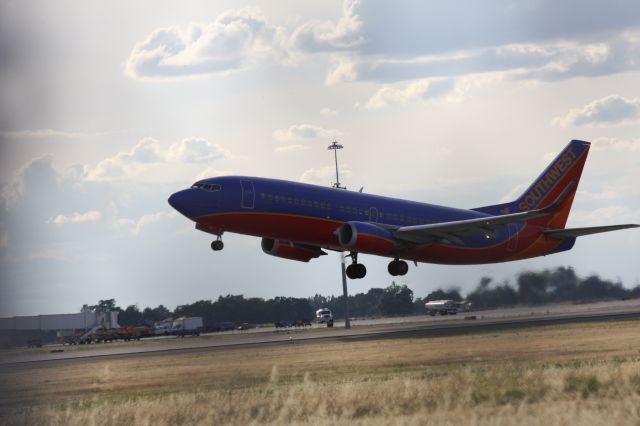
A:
(451, 231)
(578, 232)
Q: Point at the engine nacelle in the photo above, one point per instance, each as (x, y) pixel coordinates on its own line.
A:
(366, 238)
(289, 250)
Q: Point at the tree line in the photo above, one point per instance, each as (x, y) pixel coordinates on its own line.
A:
(531, 288)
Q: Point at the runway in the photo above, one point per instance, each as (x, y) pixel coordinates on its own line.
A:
(412, 326)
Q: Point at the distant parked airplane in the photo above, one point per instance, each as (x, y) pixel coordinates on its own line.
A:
(296, 220)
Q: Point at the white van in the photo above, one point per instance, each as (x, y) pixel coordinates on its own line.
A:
(324, 315)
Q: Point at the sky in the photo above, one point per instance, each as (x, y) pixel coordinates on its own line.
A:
(109, 107)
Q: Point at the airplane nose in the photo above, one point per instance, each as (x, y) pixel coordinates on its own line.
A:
(178, 202)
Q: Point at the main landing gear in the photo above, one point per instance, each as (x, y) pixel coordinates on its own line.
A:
(398, 267)
(217, 245)
(356, 270)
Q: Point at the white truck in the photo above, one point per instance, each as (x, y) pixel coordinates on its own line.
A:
(324, 316)
(184, 326)
(445, 307)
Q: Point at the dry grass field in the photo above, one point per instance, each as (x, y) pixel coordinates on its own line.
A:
(568, 374)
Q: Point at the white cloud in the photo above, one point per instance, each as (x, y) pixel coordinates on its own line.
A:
(301, 132)
(148, 220)
(291, 148)
(626, 145)
(536, 61)
(30, 177)
(328, 112)
(325, 175)
(514, 193)
(610, 110)
(605, 194)
(40, 134)
(420, 90)
(125, 163)
(148, 153)
(604, 216)
(235, 40)
(145, 222)
(196, 150)
(318, 36)
(90, 216)
(211, 172)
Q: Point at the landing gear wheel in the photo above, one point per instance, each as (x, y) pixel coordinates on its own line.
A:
(398, 267)
(356, 271)
(217, 245)
(361, 270)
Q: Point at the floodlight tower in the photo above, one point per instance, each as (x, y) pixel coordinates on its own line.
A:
(335, 146)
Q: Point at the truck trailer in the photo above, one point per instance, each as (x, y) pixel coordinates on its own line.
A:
(445, 307)
(184, 326)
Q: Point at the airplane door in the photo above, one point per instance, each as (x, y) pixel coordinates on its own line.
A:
(248, 194)
(512, 244)
(373, 214)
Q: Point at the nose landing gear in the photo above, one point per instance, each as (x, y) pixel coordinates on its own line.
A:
(356, 270)
(398, 267)
(217, 245)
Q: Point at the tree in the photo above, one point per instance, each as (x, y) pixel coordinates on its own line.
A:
(532, 287)
(156, 314)
(563, 284)
(396, 300)
(130, 316)
(102, 306)
(451, 294)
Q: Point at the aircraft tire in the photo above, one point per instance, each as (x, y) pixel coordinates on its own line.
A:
(361, 270)
(398, 267)
(356, 271)
(402, 267)
(392, 268)
(352, 272)
(217, 245)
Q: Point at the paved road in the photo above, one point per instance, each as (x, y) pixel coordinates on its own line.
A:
(367, 329)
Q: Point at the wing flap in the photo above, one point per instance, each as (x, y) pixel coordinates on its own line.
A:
(578, 232)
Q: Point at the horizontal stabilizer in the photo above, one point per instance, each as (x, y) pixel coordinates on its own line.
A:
(578, 232)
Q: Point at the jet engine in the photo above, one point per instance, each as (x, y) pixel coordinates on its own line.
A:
(366, 238)
(289, 250)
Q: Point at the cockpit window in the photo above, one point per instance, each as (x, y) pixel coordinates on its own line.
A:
(207, 186)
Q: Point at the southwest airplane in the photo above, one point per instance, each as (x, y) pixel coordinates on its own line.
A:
(297, 221)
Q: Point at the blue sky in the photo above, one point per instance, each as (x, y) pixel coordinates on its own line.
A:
(108, 108)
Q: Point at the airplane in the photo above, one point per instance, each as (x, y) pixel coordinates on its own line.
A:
(297, 221)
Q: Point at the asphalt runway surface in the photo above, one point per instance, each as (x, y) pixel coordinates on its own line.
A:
(380, 328)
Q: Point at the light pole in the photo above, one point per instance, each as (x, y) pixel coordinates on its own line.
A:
(345, 293)
(335, 146)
